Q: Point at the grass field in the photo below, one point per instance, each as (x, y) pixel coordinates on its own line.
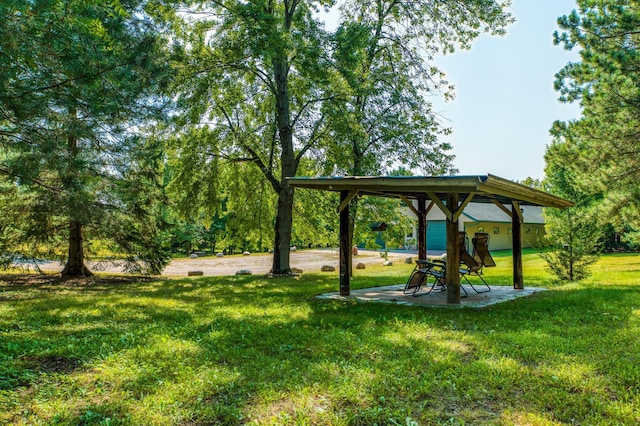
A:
(255, 350)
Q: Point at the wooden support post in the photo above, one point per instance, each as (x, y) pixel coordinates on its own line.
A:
(453, 253)
(345, 245)
(516, 236)
(422, 229)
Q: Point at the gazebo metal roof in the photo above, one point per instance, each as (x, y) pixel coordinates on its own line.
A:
(484, 188)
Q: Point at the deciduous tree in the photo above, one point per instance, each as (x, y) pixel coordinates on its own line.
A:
(257, 76)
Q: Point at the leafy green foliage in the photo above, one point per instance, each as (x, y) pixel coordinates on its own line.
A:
(261, 351)
(250, 78)
(263, 83)
(382, 52)
(80, 81)
(376, 210)
(315, 221)
(229, 198)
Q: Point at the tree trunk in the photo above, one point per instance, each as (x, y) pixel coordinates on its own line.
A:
(284, 223)
(75, 261)
(284, 216)
(75, 266)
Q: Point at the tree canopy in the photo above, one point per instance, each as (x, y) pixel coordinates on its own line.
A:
(265, 83)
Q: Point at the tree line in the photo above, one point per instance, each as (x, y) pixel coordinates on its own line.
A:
(124, 123)
(120, 119)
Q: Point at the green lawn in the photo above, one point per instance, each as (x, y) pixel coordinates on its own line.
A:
(266, 351)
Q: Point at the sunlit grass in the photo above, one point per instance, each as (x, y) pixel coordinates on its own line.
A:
(254, 350)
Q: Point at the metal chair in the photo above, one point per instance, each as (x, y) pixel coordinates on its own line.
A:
(424, 269)
(469, 266)
(420, 277)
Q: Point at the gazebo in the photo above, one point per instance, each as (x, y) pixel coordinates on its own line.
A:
(448, 193)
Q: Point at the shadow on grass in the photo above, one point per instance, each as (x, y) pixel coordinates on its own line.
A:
(240, 349)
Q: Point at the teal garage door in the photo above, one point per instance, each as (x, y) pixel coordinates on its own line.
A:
(436, 235)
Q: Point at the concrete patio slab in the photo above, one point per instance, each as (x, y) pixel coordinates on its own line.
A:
(437, 298)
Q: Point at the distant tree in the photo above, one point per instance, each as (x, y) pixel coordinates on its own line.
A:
(214, 232)
(532, 183)
(388, 211)
(79, 81)
(575, 243)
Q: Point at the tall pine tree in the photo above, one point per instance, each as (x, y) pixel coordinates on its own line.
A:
(602, 147)
(80, 81)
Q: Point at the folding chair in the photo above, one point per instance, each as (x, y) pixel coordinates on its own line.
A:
(469, 265)
(481, 250)
(420, 277)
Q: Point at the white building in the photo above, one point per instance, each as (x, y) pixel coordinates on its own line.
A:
(483, 217)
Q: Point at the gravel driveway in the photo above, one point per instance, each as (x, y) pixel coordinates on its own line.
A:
(259, 264)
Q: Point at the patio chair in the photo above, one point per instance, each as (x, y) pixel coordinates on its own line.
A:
(423, 270)
(469, 266)
(481, 250)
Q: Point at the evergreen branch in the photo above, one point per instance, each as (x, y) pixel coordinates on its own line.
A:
(34, 180)
(612, 36)
(72, 79)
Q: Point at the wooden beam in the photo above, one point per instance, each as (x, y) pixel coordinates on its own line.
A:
(460, 209)
(410, 205)
(345, 246)
(501, 206)
(459, 184)
(453, 254)
(344, 203)
(516, 208)
(516, 238)
(392, 186)
(422, 229)
(429, 207)
(445, 209)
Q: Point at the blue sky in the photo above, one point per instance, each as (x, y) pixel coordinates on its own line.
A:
(505, 103)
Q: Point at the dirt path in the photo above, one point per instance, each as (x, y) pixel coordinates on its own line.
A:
(258, 264)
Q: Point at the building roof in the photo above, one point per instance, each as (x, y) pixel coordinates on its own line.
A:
(482, 212)
(483, 188)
